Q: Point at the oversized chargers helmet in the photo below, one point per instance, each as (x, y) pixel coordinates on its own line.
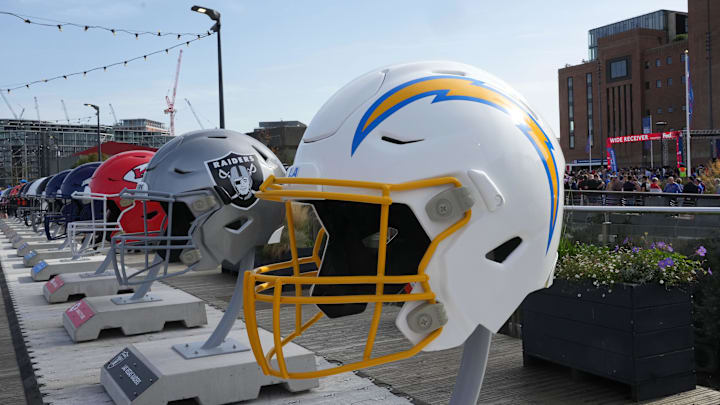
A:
(41, 205)
(32, 206)
(437, 187)
(111, 213)
(206, 182)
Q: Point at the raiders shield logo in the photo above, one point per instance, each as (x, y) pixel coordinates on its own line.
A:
(239, 175)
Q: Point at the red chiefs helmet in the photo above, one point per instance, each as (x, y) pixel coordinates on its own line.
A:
(125, 171)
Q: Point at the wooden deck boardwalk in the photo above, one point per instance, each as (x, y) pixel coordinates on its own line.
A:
(428, 378)
(11, 384)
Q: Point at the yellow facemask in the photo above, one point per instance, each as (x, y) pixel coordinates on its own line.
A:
(263, 287)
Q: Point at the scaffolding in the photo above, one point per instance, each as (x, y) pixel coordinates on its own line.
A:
(30, 149)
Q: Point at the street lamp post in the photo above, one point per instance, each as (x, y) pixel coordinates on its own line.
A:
(215, 16)
(659, 124)
(97, 112)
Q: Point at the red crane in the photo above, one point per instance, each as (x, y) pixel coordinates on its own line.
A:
(171, 102)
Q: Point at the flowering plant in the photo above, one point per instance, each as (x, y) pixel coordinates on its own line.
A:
(626, 263)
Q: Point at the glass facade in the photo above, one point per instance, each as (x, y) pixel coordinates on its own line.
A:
(589, 90)
(571, 113)
(656, 20)
(31, 149)
(618, 69)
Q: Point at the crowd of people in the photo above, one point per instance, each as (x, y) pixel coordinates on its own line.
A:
(636, 179)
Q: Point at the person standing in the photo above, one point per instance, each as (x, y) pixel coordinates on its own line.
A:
(645, 184)
(690, 187)
(655, 186)
(672, 187)
(630, 184)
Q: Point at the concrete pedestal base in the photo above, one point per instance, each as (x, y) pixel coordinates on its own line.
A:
(154, 373)
(31, 259)
(61, 287)
(44, 244)
(47, 269)
(29, 239)
(84, 320)
(15, 237)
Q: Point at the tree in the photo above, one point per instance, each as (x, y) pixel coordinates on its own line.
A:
(89, 158)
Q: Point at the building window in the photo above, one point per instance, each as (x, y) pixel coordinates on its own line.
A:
(682, 79)
(618, 69)
(658, 84)
(647, 65)
(683, 108)
(659, 111)
(669, 81)
(682, 57)
(657, 62)
(571, 114)
(589, 90)
(670, 109)
(647, 85)
(668, 60)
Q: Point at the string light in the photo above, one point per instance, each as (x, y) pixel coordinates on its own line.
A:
(105, 67)
(85, 27)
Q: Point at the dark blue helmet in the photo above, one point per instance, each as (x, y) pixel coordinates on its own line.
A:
(66, 209)
(77, 179)
(52, 187)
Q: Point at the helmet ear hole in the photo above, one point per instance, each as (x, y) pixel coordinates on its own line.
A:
(236, 225)
(500, 253)
(263, 155)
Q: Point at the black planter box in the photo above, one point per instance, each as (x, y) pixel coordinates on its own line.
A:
(640, 335)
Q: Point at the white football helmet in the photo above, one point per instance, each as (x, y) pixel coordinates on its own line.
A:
(454, 173)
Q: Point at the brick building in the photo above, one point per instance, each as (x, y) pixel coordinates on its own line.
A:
(636, 70)
(282, 137)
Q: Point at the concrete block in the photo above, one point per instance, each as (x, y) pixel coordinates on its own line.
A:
(35, 256)
(84, 320)
(62, 286)
(46, 269)
(29, 239)
(22, 249)
(154, 373)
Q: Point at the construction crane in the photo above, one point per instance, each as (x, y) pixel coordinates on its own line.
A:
(37, 108)
(21, 112)
(195, 114)
(67, 117)
(9, 106)
(112, 110)
(171, 102)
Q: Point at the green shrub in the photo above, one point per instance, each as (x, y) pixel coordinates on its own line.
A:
(627, 263)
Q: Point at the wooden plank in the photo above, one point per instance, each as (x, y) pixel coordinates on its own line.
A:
(12, 389)
(69, 373)
(429, 377)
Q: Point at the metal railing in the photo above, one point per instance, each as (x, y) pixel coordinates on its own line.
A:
(636, 198)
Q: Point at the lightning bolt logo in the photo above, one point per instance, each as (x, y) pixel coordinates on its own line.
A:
(447, 88)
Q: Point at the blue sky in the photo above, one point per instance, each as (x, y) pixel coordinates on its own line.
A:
(283, 59)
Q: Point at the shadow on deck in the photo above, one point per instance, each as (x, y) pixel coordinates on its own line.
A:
(428, 378)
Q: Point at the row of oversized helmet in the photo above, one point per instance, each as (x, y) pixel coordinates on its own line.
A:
(434, 184)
